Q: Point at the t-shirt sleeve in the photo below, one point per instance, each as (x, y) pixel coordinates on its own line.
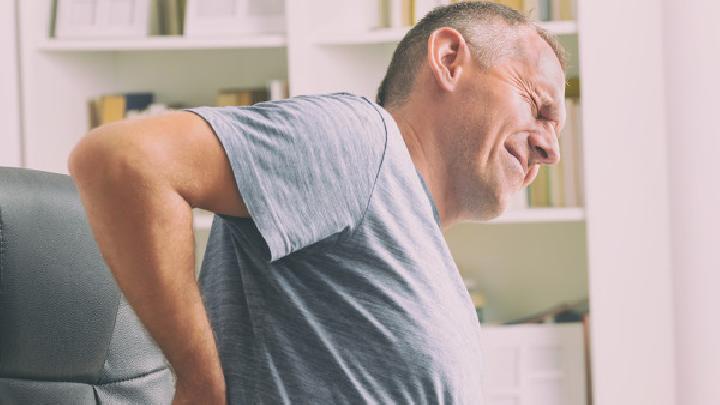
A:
(305, 167)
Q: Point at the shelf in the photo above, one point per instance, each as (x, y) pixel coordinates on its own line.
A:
(376, 36)
(539, 215)
(161, 44)
(393, 35)
(560, 27)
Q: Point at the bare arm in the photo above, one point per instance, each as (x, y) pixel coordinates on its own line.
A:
(138, 180)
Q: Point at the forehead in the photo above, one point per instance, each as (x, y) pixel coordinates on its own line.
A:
(537, 63)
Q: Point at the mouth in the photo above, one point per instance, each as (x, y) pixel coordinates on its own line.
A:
(520, 159)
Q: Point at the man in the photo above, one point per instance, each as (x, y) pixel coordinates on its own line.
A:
(326, 277)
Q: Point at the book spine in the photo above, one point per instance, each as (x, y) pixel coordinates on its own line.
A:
(539, 190)
(277, 89)
(112, 108)
(580, 182)
(409, 10)
(395, 13)
(557, 185)
(514, 4)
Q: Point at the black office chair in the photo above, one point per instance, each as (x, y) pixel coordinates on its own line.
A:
(67, 335)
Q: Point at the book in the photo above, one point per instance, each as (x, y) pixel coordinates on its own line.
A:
(53, 19)
(571, 154)
(173, 16)
(92, 113)
(241, 96)
(155, 19)
(539, 190)
(115, 107)
(572, 311)
(538, 10)
(277, 89)
(514, 4)
(384, 14)
(401, 13)
(572, 87)
(557, 184)
(563, 10)
(111, 108)
(579, 167)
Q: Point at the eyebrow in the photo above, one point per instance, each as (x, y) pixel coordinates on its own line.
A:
(545, 99)
(548, 103)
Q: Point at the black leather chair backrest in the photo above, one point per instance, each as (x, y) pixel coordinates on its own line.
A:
(67, 335)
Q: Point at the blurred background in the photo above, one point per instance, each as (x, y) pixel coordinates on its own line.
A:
(599, 285)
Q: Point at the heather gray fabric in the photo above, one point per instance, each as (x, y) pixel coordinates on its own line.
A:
(340, 289)
(67, 335)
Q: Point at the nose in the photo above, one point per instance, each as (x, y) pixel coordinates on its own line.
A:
(544, 148)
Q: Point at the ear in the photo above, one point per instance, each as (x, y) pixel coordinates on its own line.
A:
(447, 56)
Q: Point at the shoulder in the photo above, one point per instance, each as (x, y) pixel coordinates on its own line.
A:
(333, 106)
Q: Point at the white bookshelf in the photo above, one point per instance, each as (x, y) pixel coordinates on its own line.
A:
(393, 35)
(374, 36)
(525, 260)
(162, 44)
(540, 215)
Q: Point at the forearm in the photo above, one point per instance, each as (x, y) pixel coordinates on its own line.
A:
(143, 228)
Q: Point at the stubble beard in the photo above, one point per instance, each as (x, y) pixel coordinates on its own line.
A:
(478, 194)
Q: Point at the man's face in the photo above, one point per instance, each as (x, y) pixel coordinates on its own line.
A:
(509, 118)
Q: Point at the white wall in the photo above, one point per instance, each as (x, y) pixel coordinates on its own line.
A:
(10, 149)
(628, 230)
(692, 63)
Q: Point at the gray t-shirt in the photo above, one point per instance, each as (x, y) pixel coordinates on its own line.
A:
(340, 289)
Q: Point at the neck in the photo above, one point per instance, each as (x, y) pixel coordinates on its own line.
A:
(425, 149)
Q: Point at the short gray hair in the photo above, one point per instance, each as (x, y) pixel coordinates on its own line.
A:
(482, 24)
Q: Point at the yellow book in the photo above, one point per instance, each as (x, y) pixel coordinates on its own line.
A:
(409, 7)
(539, 190)
(384, 15)
(557, 184)
(111, 108)
(572, 87)
(571, 156)
(225, 99)
(234, 98)
(241, 97)
(566, 10)
(514, 4)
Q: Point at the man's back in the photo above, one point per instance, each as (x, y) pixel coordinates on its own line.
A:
(339, 288)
